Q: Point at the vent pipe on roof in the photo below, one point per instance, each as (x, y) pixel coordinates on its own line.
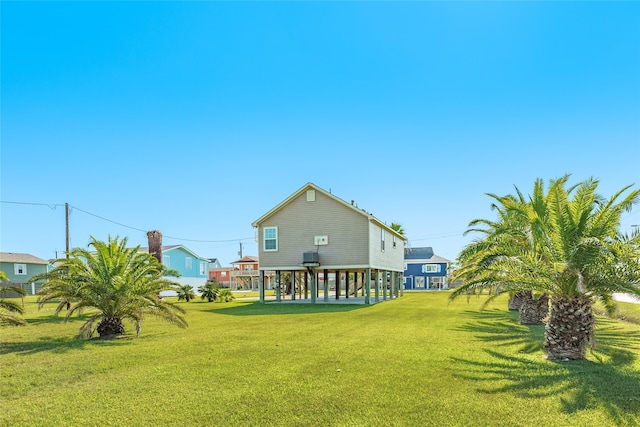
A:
(155, 244)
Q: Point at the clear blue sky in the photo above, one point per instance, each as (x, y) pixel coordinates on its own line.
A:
(196, 118)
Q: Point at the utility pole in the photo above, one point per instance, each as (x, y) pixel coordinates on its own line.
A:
(66, 219)
(240, 252)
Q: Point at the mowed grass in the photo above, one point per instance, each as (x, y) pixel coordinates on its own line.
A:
(417, 361)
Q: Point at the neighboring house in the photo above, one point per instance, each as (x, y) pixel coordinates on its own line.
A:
(245, 274)
(313, 236)
(222, 274)
(424, 270)
(214, 263)
(22, 267)
(194, 269)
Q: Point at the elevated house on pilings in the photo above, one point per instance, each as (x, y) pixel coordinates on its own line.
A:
(319, 248)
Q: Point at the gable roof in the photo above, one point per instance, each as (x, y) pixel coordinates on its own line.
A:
(172, 247)
(312, 186)
(423, 254)
(21, 258)
(439, 259)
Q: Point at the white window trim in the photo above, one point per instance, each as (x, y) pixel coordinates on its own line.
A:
(166, 260)
(264, 239)
(203, 268)
(188, 263)
(431, 268)
(18, 267)
(382, 240)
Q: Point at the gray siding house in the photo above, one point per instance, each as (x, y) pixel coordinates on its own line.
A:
(314, 241)
(20, 268)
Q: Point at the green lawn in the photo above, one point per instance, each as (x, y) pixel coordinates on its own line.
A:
(413, 361)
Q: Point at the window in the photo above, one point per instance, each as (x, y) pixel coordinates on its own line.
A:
(166, 261)
(20, 269)
(431, 268)
(382, 241)
(271, 238)
(405, 267)
(188, 263)
(394, 242)
(203, 267)
(223, 274)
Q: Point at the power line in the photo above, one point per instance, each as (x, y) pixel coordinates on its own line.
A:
(54, 206)
(50, 206)
(438, 236)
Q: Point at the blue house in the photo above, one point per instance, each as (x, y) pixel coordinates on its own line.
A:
(424, 270)
(194, 269)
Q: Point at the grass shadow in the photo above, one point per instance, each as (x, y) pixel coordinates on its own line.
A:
(59, 345)
(255, 308)
(607, 379)
(503, 329)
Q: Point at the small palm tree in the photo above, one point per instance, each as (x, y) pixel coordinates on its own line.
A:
(226, 295)
(9, 310)
(210, 291)
(185, 292)
(114, 282)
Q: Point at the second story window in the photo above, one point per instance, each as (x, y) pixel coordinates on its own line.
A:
(20, 269)
(431, 268)
(188, 263)
(271, 238)
(382, 241)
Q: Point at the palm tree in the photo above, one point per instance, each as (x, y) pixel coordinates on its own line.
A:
(226, 295)
(9, 310)
(185, 292)
(114, 282)
(210, 291)
(397, 227)
(506, 237)
(575, 254)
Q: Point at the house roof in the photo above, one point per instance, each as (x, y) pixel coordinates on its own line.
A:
(418, 253)
(22, 258)
(172, 247)
(423, 254)
(249, 259)
(312, 186)
(439, 259)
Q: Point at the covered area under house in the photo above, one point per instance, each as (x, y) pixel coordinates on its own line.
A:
(319, 285)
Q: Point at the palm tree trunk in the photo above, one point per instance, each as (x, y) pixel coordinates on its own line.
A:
(516, 300)
(110, 326)
(570, 328)
(534, 310)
